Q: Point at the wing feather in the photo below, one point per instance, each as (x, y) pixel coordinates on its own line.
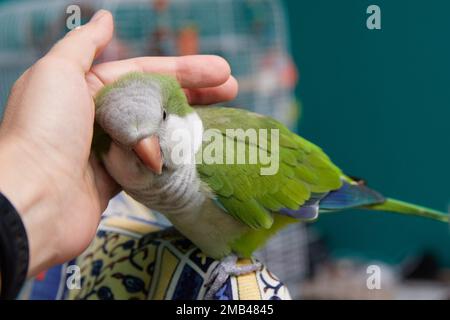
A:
(304, 170)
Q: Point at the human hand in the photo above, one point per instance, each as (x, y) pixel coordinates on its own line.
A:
(46, 168)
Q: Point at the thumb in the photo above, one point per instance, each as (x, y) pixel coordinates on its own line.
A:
(83, 44)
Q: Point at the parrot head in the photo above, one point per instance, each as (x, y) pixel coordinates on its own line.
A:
(142, 114)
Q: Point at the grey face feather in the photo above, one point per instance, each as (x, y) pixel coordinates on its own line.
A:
(131, 112)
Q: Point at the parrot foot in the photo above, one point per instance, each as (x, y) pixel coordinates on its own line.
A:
(226, 268)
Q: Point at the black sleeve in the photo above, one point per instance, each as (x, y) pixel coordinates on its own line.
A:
(14, 252)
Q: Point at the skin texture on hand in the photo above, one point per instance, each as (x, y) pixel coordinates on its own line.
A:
(46, 169)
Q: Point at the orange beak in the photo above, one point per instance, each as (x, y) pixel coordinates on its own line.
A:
(149, 151)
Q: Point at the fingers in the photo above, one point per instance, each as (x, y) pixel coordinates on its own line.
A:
(191, 71)
(225, 92)
(83, 44)
(200, 72)
(106, 186)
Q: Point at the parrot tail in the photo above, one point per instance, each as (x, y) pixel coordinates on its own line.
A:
(402, 207)
(358, 195)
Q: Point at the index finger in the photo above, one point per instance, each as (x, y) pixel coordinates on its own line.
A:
(196, 71)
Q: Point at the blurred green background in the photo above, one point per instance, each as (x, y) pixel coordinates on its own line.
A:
(378, 102)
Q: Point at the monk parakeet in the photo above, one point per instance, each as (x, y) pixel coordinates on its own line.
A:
(144, 126)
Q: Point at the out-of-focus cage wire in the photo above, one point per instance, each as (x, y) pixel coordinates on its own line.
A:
(251, 35)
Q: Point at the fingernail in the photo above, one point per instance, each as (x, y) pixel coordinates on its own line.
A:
(98, 15)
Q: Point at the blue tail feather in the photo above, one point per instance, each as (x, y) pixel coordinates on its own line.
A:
(350, 196)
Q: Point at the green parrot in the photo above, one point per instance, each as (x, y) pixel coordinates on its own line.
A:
(227, 208)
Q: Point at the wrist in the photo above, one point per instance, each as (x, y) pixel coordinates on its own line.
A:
(25, 187)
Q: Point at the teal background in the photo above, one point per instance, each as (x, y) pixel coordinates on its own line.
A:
(378, 102)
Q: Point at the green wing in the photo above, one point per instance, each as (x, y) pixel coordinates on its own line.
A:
(247, 195)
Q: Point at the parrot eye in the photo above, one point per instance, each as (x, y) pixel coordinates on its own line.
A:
(164, 115)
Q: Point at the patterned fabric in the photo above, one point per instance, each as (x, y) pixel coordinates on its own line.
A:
(132, 258)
